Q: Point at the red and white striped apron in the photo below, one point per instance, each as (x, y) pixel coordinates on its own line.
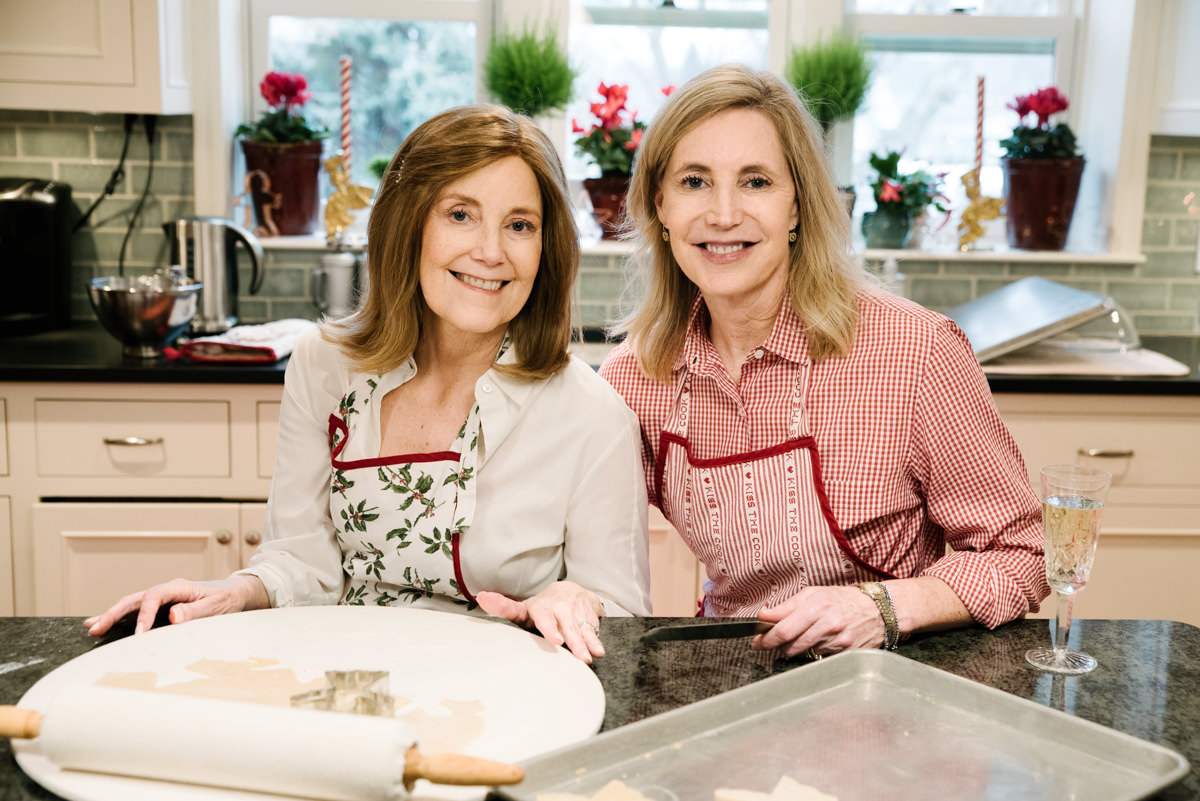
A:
(759, 521)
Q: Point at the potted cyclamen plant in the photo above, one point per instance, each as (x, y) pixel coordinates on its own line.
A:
(900, 198)
(610, 144)
(283, 158)
(1042, 170)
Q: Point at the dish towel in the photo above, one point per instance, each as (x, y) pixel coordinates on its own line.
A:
(268, 342)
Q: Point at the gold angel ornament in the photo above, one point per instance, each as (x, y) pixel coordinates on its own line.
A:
(345, 198)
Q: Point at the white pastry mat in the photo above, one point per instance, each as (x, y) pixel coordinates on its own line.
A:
(532, 697)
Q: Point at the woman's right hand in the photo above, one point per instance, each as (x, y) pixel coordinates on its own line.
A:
(190, 599)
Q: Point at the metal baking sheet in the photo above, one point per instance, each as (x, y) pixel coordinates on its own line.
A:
(1025, 312)
(863, 725)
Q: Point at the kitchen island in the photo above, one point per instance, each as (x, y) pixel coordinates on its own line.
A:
(1147, 685)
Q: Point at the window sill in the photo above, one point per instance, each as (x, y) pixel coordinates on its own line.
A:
(314, 241)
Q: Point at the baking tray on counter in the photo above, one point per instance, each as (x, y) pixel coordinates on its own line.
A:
(863, 724)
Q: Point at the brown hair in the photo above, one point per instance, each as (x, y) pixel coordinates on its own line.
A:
(385, 329)
(822, 280)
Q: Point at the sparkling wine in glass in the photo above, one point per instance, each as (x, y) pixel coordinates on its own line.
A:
(1073, 499)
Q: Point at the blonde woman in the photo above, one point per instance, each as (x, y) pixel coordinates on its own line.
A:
(439, 448)
(817, 442)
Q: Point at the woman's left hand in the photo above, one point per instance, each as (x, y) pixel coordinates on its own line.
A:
(824, 619)
(564, 613)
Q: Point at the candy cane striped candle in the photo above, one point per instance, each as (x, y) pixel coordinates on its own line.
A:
(979, 125)
(346, 137)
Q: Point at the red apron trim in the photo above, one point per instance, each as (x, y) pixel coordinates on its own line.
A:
(337, 424)
(458, 577)
(808, 442)
(834, 528)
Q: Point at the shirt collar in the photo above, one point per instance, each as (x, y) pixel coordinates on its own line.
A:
(786, 340)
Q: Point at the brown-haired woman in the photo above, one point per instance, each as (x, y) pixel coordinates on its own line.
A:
(438, 447)
(817, 441)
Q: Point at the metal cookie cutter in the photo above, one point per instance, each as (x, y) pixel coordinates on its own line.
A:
(359, 692)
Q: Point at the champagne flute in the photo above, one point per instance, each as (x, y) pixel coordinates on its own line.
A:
(1073, 499)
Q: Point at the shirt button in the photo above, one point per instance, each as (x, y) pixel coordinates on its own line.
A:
(487, 387)
(758, 353)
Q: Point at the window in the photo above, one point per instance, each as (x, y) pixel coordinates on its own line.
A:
(650, 45)
(923, 95)
(409, 61)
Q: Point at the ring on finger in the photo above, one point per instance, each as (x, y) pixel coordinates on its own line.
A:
(595, 629)
(812, 654)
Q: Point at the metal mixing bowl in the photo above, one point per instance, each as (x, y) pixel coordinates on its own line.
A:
(147, 312)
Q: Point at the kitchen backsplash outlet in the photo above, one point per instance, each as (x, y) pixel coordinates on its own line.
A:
(1162, 294)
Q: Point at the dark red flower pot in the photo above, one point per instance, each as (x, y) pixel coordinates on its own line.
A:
(283, 184)
(1040, 201)
(608, 201)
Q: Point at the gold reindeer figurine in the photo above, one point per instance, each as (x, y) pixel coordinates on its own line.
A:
(979, 209)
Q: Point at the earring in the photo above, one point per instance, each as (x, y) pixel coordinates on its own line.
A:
(666, 235)
(791, 236)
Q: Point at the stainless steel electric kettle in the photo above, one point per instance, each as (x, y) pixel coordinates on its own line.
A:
(206, 247)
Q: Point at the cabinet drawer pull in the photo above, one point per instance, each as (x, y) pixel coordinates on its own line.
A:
(133, 440)
(1101, 453)
(224, 537)
(253, 538)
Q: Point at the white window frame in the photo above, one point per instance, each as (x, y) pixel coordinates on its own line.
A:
(260, 12)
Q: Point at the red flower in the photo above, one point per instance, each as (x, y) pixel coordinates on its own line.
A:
(1045, 102)
(635, 139)
(576, 127)
(1020, 105)
(890, 193)
(667, 90)
(284, 88)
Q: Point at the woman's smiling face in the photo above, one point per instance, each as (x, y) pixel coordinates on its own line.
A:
(728, 201)
(481, 247)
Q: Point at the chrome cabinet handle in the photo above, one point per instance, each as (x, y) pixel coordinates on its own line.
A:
(1100, 453)
(253, 537)
(133, 440)
(224, 537)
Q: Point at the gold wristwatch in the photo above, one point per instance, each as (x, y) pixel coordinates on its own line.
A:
(878, 593)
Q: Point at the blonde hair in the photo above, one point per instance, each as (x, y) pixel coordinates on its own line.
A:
(822, 279)
(384, 331)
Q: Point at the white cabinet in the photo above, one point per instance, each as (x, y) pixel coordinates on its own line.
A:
(110, 488)
(1177, 92)
(1149, 552)
(675, 574)
(6, 574)
(95, 55)
(90, 554)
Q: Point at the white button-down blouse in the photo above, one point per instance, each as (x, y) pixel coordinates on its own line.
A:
(561, 493)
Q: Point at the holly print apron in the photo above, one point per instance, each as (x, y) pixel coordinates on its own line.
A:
(399, 519)
(759, 521)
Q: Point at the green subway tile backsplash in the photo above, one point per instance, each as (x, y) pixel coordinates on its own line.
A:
(1163, 294)
(44, 142)
(1190, 168)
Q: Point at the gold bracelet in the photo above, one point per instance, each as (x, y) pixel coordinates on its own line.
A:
(878, 593)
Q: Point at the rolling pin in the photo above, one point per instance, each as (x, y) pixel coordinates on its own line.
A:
(309, 753)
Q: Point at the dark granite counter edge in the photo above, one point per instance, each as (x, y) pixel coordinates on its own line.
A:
(85, 353)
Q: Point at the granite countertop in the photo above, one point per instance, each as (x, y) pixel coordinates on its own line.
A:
(1146, 686)
(86, 353)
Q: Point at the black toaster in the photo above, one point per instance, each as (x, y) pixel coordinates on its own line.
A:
(35, 255)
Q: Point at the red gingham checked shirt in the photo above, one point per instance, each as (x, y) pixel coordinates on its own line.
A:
(914, 455)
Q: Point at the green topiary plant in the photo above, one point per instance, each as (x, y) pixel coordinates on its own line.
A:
(378, 165)
(832, 77)
(528, 73)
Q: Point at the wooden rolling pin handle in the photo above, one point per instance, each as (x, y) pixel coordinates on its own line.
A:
(458, 769)
(19, 724)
